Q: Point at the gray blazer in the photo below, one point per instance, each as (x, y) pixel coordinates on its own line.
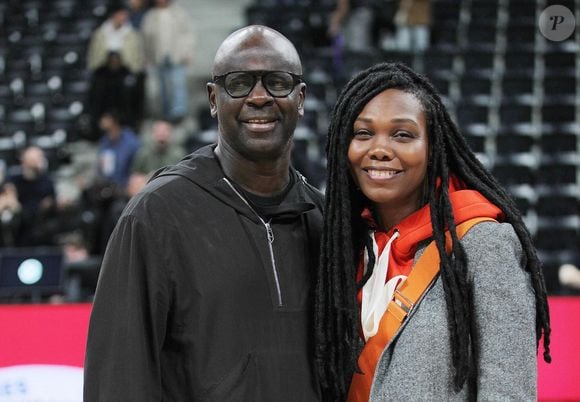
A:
(417, 366)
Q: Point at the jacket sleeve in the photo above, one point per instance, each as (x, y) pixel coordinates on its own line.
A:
(504, 314)
(128, 320)
(134, 55)
(95, 53)
(185, 43)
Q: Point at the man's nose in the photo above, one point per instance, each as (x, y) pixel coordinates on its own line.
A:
(259, 96)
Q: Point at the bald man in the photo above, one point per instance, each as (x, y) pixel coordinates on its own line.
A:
(204, 291)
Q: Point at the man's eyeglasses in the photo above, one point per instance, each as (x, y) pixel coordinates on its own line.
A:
(238, 84)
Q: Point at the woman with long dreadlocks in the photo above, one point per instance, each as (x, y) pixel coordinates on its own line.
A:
(429, 286)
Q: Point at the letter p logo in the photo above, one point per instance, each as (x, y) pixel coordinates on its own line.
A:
(557, 23)
(557, 20)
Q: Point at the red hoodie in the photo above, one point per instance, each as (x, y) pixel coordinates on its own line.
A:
(415, 228)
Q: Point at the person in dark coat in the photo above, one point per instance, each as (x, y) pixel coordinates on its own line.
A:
(35, 190)
(205, 289)
(114, 86)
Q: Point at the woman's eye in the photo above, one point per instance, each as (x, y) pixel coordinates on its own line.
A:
(362, 133)
(404, 134)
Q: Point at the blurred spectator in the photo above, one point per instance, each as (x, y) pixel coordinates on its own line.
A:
(413, 20)
(136, 182)
(114, 87)
(10, 209)
(161, 151)
(82, 268)
(137, 10)
(115, 154)
(74, 248)
(116, 151)
(168, 39)
(352, 22)
(569, 276)
(116, 59)
(36, 194)
(116, 34)
(105, 203)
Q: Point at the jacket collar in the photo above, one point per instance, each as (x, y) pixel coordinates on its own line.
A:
(416, 228)
(203, 169)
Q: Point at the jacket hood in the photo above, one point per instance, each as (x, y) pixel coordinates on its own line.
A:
(417, 227)
(202, 168)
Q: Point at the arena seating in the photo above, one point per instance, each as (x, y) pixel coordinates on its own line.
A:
(514, 94)
(43, 79)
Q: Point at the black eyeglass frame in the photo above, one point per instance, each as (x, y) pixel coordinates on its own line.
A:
(220, 80)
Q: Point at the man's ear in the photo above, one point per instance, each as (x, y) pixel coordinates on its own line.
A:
(302, 96)
(211, 95)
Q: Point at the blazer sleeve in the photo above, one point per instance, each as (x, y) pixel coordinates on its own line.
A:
(503, 314)
(128, 319)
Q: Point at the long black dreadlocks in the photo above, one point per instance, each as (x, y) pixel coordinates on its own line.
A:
(338, 342)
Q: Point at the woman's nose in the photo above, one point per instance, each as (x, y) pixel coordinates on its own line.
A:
(380, 150)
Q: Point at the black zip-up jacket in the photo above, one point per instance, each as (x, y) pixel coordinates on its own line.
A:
(199, 299)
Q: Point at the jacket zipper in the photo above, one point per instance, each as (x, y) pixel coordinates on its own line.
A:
(270, 234)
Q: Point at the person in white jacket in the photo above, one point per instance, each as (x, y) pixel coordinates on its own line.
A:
(169, 43)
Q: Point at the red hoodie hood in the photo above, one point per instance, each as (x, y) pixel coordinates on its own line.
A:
(415, 228)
